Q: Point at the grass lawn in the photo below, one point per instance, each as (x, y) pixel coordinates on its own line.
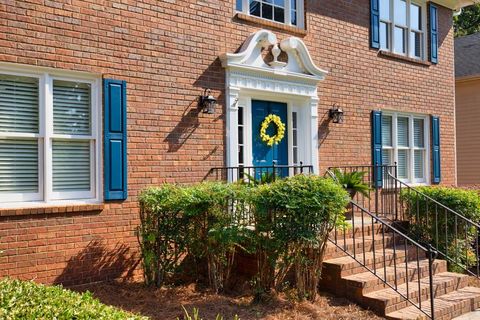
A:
(165, 304)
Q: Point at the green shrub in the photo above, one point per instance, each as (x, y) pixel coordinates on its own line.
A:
(435, 225)
(286, 223)
(29, 300)
(292, 222)
(198, 220)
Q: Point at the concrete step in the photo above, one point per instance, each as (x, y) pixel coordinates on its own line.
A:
(447, 307)
(388, 300)
(365, 243)
(366, 282)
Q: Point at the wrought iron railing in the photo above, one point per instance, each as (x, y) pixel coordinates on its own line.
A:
(380, 198)
(266, 173)
(454, 236)
(388, 248)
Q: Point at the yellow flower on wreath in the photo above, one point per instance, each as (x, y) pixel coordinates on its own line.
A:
(269, 140)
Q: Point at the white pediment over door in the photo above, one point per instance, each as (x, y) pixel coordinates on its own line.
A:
(281, 71)
(299, 62)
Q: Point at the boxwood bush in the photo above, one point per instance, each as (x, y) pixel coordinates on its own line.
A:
(285, 223)
(293, 218)
(435, 225)
(29, 300)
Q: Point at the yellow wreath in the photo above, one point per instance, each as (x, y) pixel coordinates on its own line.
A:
(269, 140)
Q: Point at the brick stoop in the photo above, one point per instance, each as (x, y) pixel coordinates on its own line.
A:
(402, 266)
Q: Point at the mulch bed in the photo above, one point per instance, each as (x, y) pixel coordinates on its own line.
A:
(166, 303)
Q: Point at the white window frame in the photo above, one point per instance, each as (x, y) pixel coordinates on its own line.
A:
(288, 19)
(46, 195)
(391, 23)
(411, 148)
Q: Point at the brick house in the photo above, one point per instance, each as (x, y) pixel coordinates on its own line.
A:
(467, 99)
(79, 79)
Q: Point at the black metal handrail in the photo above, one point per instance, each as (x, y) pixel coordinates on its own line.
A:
(270, 172)
(400, 242)
(454, 236)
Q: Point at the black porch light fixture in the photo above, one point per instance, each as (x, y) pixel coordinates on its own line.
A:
(208, 102)
(336, 114)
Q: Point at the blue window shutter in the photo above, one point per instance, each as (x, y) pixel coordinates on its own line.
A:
(377, 146)
(374, 24)
(433, 33)
(437, 174)
(115, 139)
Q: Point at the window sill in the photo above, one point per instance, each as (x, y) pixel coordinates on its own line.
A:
(50, 208)
(272, 24)
(396, 56)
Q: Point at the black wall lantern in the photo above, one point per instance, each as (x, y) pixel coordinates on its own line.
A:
(208, 102)
(336, 114)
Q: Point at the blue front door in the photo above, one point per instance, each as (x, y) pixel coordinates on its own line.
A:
(264, 155)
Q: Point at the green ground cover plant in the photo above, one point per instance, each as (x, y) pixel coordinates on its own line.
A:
(30, 301)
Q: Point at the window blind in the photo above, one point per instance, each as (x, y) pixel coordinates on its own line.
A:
(418, 135)
(71, 165)
(387, 130)
(18, 165)
(403, 164)
(402, 131)
(418, 164)
(18, 104)
(71, 108)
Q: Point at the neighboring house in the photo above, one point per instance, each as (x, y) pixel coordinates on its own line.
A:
(467, 111)
(68, 178)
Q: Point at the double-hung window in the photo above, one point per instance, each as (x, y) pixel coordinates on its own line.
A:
(402, 27)
(289, 12)
(404, 141)
(49, 137)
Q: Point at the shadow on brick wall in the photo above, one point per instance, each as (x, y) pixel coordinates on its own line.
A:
(98, 263)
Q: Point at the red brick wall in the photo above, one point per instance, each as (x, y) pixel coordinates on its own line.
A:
(167, 51)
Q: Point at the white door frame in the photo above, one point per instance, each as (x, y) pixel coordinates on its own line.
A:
(294, 82)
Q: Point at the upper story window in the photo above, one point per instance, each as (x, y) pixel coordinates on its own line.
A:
(289, 12)
(402, 27)
(49, 137)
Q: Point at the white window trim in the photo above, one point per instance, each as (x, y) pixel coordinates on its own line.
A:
(411, 171)
(391, 30)
(46, 195)
(300, 13)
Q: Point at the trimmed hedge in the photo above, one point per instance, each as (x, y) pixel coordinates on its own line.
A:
(285, 223)
(29, 300)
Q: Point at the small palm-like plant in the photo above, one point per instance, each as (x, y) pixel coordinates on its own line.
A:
(352, 182)
(265, 178)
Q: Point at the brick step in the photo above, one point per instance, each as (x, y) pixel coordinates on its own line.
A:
(360, 284)
(446, 307)
(334, 270)
(368, 229)
(345, 266)
(366, 243)
(388, 300)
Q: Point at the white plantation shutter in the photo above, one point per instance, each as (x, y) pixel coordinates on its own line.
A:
(418, 134)
(403, 164)
(418, 159)
(18, 104)
(71, 108)
(387, 157)
(402, 131)
(71, 165)
(387, 130)
(19, 166)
